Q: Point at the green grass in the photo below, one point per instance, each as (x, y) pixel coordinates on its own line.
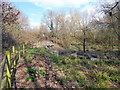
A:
(77, 61)
(28, 56)
(112, 62)
(80, 80)
(30, 60)
(99, 62)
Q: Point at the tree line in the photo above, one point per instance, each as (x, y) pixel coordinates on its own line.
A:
(63, 29)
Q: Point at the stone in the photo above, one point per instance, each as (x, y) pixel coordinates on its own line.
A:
(93, 59)
(94, 56)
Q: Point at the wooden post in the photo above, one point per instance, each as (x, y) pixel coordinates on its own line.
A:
(14, 63)
(23, 48)
(2, 72)
(19, 51)
(25, 43)
(8, 69)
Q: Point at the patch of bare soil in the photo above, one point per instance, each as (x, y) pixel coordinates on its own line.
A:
(43, 63)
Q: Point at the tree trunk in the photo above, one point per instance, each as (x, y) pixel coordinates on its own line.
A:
(84, 42)
(119, 47)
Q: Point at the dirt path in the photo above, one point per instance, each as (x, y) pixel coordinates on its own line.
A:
(49, 43)
(49, 80)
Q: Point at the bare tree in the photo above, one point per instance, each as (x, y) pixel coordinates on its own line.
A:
(9, 17)
(112, 11)
(14, 24)
(49, 21)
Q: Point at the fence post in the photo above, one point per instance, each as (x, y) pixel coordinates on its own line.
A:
(2, 72)
(8, 69)
(14, 63)
(23, 48)
(19, 51)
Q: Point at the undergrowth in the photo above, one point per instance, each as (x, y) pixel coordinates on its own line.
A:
(87, 73)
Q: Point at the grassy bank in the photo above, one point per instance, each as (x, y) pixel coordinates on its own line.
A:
(71, 71)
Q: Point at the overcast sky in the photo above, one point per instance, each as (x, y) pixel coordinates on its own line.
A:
(34, 9)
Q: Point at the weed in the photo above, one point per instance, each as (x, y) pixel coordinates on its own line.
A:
(99, 62)
(100, 77)
(35, 71)
(43, 72)
(91, 86)
(76, 86)
(98, 50)
(72, 71)
(29, 70)
(112, 62)
(84, 62)
(32, 78)
(29, 56)
(77, 61)
(80, 73)
(80, 80)
(54, 58)
(68, 66)
(67, 60)
(61, 81)
(90, 65)
(67, 71)
(87, 72)
(59, 69)
(102, 84)
(81, 57)
(63, 62)
(30, 60)
(67, 77)
(32, 51)
(63, 67)
(115, 78)
(59, 64)
(105, 76)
